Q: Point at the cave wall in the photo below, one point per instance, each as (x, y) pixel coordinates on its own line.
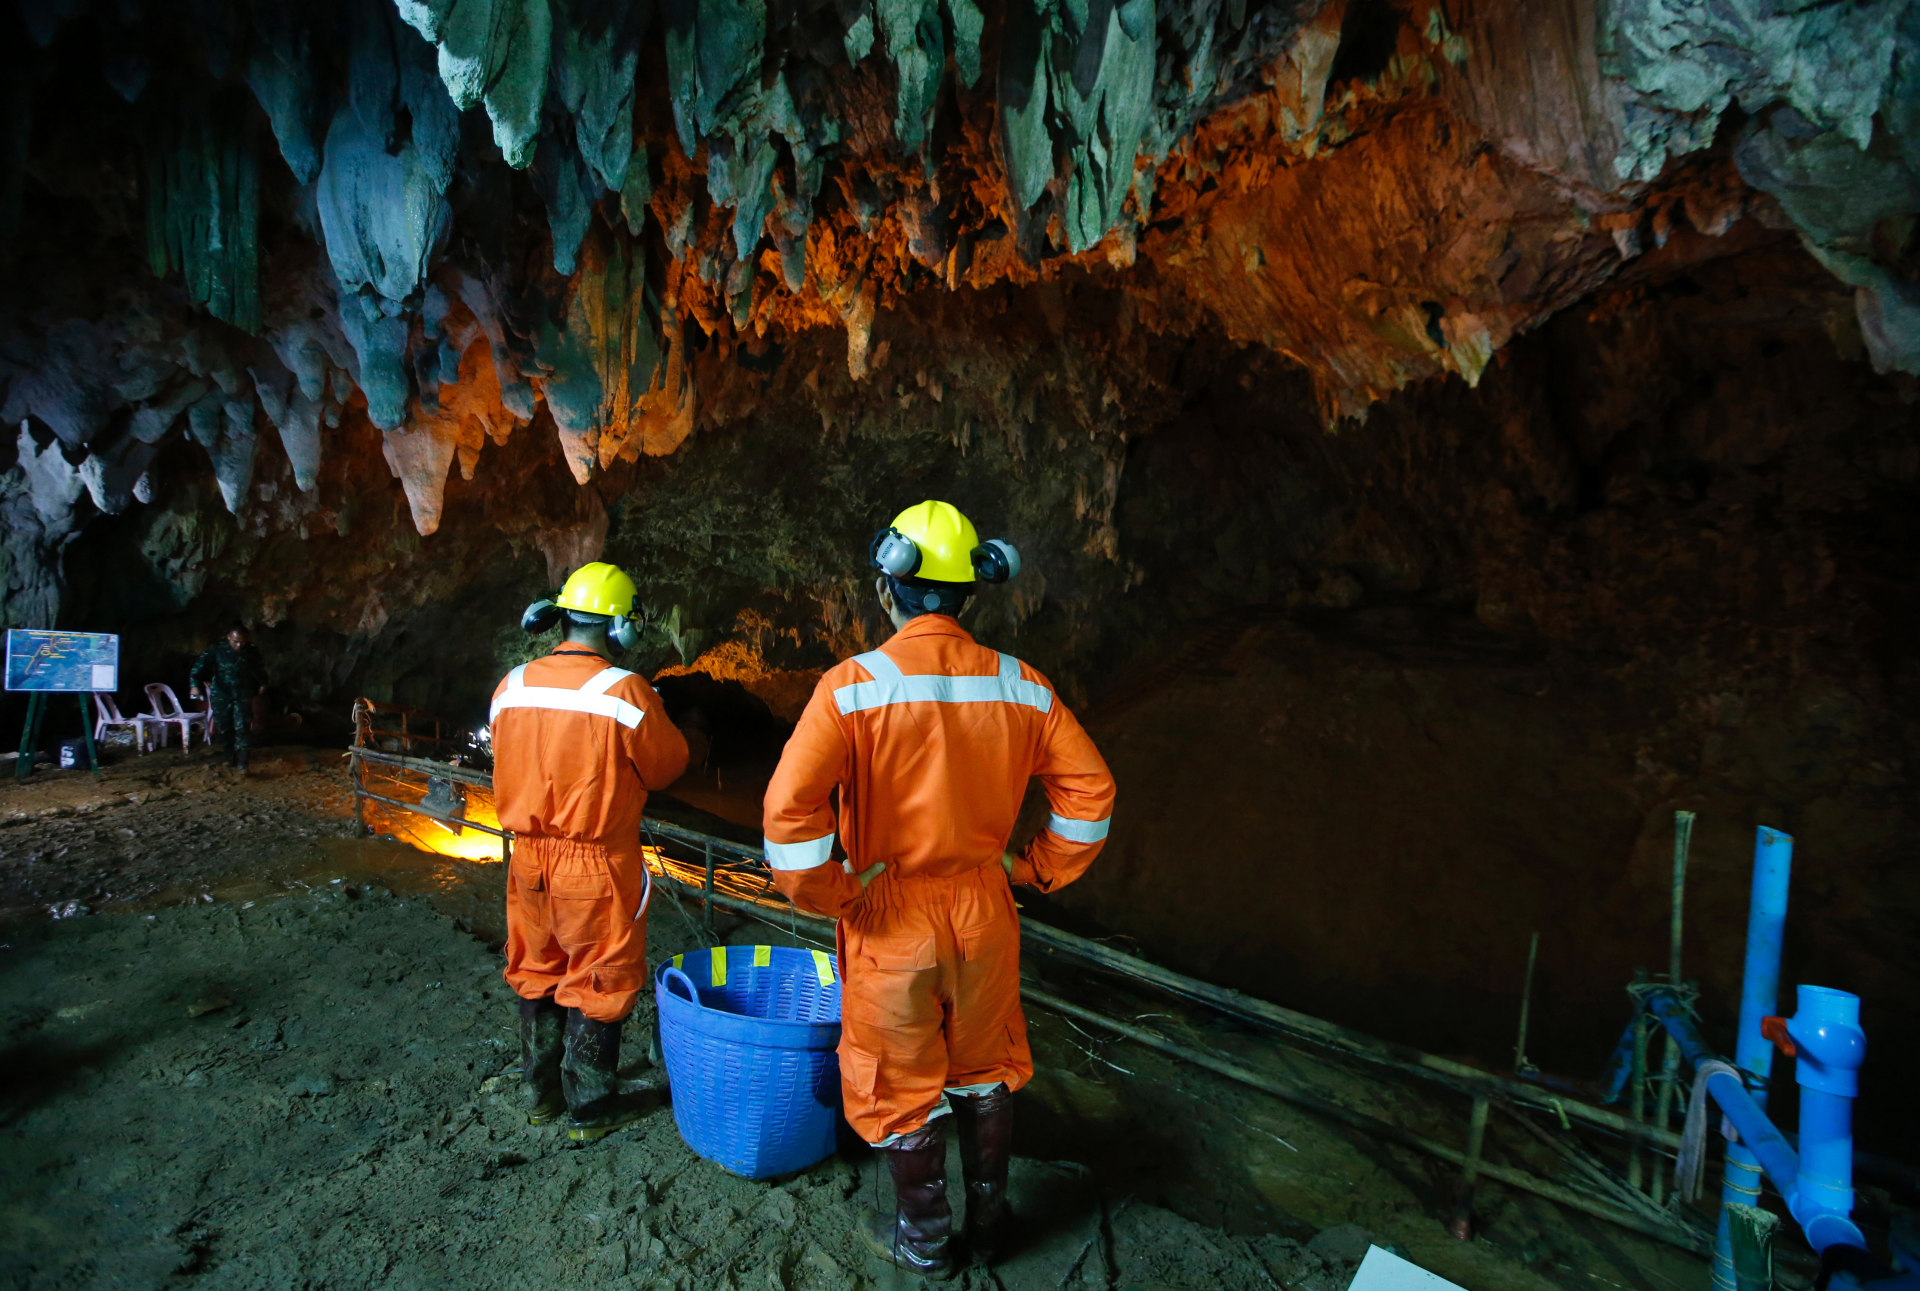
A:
(1661, 559)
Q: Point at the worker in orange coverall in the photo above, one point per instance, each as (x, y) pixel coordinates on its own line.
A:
(930, 741)
(577, 743)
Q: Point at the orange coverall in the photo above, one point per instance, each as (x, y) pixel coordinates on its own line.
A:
(577, 743)
(930, 741)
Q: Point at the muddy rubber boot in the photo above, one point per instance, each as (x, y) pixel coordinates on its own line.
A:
(984, 1125)
(597, 1104)
(651, 1076)
(918, 1236)
(543, 1038)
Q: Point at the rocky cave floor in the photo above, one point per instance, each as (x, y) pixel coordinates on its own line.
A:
(257, 1051)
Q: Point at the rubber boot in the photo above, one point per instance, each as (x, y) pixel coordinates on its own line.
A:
(984, 1124)
(918, 1236)
(598, 1102)
(644, 1022)
(543, 1036)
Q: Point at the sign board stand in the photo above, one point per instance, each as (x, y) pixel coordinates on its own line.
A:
(30, 736)
(46, 662)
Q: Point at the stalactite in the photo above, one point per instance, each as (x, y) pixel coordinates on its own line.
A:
(282, 74)
(493, 52)
(203, 202)
(1193, 151)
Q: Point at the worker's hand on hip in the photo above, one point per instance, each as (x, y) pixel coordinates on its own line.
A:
(869, 874)
(1006, 863)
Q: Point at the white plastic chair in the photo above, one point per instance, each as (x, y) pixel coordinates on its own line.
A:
(167, 712)
(107, 718)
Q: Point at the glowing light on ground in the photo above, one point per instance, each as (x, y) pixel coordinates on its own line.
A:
(741, 881)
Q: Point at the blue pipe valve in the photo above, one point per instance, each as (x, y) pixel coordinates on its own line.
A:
(1828, 1047)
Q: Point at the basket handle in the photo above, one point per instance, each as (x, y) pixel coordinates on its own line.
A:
(671, 976)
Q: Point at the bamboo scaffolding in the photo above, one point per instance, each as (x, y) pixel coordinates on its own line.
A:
(1385, 1053)
(1485, 1089)
(1299, 1095)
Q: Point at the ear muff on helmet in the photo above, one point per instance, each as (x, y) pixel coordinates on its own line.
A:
(892, 552)
(541, 616)
(996, 560)
(625, 633)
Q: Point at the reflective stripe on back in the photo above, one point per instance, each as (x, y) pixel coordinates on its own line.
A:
(601, 682)
(878, 666)
(590, 698)
(891, 686)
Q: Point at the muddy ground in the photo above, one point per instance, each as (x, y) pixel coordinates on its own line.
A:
(268, 1057)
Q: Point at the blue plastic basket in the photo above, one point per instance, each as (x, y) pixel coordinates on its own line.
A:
(749, 1034)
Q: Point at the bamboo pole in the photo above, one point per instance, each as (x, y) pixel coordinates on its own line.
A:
(1520, 1179)
(706, 910)
(1670, 1054)
(1520, 1063)
(1432, 1067)
(1608, 1182)
(1470, 1169)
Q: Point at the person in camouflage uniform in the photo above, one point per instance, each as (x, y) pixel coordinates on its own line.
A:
(232, 673)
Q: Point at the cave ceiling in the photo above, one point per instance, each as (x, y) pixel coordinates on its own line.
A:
(254, 226)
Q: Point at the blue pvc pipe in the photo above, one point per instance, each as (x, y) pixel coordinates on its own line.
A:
(1753, 1052)
(1619, 1067)
(1831, 1047)
(1817, 1181)
(1760, 983)
(1757, 1133)
(1679, 1024)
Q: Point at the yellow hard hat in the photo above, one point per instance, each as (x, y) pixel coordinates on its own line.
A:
(938, 546)
(598, 588)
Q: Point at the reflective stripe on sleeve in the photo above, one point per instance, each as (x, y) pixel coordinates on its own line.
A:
(799, 856)
(891, 686)
(1078, 831)
(567, 701)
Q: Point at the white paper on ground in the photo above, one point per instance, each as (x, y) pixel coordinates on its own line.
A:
(1385, 1271)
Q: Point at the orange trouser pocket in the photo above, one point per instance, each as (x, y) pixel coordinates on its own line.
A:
(930, 997)
(572, 930)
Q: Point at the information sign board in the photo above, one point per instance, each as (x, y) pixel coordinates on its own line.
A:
(62, 661)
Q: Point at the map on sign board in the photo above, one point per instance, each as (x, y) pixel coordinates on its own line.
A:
(70, 661)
